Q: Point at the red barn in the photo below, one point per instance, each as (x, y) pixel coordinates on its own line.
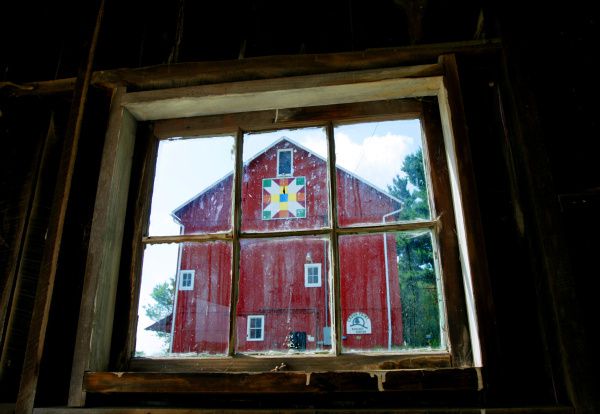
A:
(284, 293)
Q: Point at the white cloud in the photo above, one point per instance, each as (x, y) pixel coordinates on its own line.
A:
(378, 158)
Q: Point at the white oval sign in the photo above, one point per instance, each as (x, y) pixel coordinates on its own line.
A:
(358, 323)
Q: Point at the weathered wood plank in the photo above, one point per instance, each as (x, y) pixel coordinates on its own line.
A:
(335, 302)
(286, 118)
(447, 410)
(456, 314)
(39, 322)
(9, 278)
(244, 363)
(141, 223)
(187, 238)
(202, 73)
(292, 92)
(267, 67)
(236, 219)
(468, 219)
(284, 382)
(102, 268)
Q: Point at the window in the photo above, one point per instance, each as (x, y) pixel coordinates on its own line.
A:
(256, 324)
(390, 248)
(312, 275)
(186, 280)
(285, 164)
(370, 219)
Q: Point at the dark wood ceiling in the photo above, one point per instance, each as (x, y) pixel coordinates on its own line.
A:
(48, 41)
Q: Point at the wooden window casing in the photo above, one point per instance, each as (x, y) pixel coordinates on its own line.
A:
(252, 329)
(186, 279)
(311, 278)
(396, 93)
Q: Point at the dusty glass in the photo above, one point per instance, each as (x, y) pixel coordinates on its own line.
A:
(284, 296)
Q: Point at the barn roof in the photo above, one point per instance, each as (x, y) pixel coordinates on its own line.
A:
(177, 211)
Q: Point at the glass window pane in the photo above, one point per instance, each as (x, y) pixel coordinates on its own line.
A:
(380, 177)
(276, 311)
(284, 162)
(391, 296)
(192, 186)
(285, 180)
(200, 325)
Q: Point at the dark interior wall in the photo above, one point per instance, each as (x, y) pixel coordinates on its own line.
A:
(531, 121)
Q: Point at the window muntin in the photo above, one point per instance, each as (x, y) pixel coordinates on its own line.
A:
(186, 279)
(255, 328)
(312, 274)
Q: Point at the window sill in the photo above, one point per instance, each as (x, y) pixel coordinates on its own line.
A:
(297, 363)
(446, 379)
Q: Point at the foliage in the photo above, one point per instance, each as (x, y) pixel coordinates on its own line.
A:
(416, 267)
(162, 295)
(412, 189)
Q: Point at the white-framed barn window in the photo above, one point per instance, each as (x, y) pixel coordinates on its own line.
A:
(256, 328)
(186, 279)
(312, 275)
(285, 162)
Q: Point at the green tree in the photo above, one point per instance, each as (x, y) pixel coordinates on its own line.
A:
(162, 306)
(416, 268)
(411, 188)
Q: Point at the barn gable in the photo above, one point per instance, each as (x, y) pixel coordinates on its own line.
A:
(209, 202)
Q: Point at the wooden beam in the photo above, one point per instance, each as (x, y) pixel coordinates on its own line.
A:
(94, 331)
(292, 92)
(147, 145)
(287, 118)
(446, 410)
(10, 280)
(456, 322)
(50, 87)
(266, 67)
(45, 287)
(248, 363)
(468, 219)
(236, 220)
(284, 381)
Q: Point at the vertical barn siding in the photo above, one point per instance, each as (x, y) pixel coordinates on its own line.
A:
(272, 281)
(202, 315)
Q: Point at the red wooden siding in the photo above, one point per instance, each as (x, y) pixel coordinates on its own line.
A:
(272, 278)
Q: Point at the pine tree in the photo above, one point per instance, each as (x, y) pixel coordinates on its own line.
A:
(416, 267)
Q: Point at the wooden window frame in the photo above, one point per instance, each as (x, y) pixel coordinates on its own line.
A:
(181, 279)
(262, 327)
(278, 103)
(307, 276)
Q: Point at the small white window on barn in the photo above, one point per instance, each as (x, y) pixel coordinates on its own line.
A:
(312, 275)
(256, 328)
(186, 279)
(285, 165)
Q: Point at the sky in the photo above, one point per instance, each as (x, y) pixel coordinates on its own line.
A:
(373, 151)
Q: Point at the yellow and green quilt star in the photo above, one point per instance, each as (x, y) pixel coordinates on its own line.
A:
(284, 198)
